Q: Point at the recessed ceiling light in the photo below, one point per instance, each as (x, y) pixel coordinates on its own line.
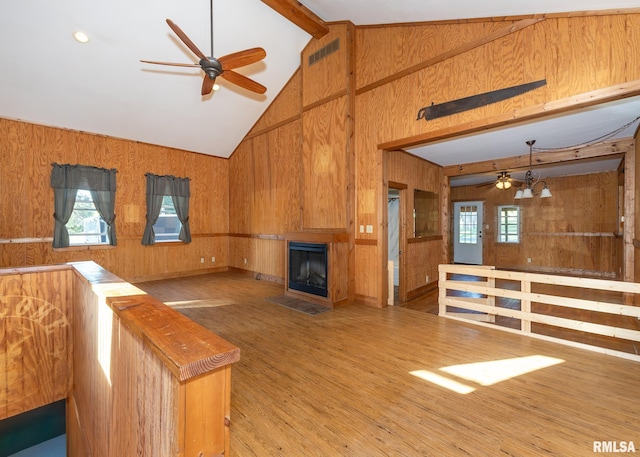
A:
(80, 36)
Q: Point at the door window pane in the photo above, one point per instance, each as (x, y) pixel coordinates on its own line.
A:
(468, 224)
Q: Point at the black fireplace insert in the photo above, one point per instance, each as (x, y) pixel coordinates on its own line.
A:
(308, 268)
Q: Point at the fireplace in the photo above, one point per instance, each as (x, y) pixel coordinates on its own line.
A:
(308, 268)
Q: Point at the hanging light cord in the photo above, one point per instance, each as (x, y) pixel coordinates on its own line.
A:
(591, 142)
(211, 24)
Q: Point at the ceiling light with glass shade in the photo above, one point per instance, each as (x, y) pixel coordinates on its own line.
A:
(530, 182)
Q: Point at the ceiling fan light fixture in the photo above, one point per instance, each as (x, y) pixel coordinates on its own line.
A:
(80, 36)
(504, 181)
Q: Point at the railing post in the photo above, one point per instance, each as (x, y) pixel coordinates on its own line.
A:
(525, 306)
(442, 291)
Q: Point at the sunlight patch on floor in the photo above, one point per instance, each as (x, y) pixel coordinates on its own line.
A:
(443, 381)
(196, 303)
(486, 373)
(495, 371)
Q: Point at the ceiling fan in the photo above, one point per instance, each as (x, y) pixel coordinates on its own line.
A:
(222, 66)
(504, 181)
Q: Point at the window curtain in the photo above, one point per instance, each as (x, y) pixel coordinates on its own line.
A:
(179, 190)
(66, 180)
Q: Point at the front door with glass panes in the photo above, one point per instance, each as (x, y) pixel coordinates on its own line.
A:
(467, 233)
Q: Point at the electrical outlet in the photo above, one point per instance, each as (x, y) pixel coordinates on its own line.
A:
(528, 259)
(426, 279)
(245, 261)
(201, 259)
(213, 259)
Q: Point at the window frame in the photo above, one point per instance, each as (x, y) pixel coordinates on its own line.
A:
(159, 235)
(504, 233)
(103, 234)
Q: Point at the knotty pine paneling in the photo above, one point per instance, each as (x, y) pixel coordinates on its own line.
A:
(422, 258)
(329, 75)
(36, 345)
(575, 230)
(386, 50)
(287, 105)
(27, 201)
(367, 272)
(265, 256)
(325, 166)
(241, 188)
(286, 152)
(262, 203)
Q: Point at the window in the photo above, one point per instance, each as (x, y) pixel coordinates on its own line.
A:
(84, 201)
(426, 213)
(167, 209)
(468, 224)
(167, 227)
(509, 224)
(85, 226)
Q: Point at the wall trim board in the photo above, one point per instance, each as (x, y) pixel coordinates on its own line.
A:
(273, 127)
(328, 99)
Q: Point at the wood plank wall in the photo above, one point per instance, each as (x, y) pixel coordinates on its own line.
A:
(575, 53)
(576, 231)
(136, 374)
(421, 256)
(26, 202)
(291, 172)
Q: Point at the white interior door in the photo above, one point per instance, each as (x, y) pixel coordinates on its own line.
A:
(467, 233)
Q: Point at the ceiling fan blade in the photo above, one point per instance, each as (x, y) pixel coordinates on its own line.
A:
(207, 85)
(243, 81)
(185, 39)
(242, 58)
(171, 63)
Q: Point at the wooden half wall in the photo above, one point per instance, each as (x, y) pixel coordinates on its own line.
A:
(136, 374)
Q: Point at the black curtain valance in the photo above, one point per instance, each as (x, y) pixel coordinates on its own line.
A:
(167, 185)
(83, 177)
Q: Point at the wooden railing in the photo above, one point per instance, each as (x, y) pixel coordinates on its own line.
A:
(139, 378)
(550, 307)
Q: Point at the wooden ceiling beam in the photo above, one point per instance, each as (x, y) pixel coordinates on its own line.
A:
(300, 15)
(554, 107)
(609, 148)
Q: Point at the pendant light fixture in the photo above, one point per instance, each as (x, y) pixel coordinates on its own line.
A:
(530, 182)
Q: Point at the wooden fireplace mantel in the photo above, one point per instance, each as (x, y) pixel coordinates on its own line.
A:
(318, 237)
(337, 264)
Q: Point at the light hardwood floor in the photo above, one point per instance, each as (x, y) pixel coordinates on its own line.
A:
(341, 383)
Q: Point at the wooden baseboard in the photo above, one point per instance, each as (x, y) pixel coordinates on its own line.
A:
(179, 274)
(366, 300)
(422, 290)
